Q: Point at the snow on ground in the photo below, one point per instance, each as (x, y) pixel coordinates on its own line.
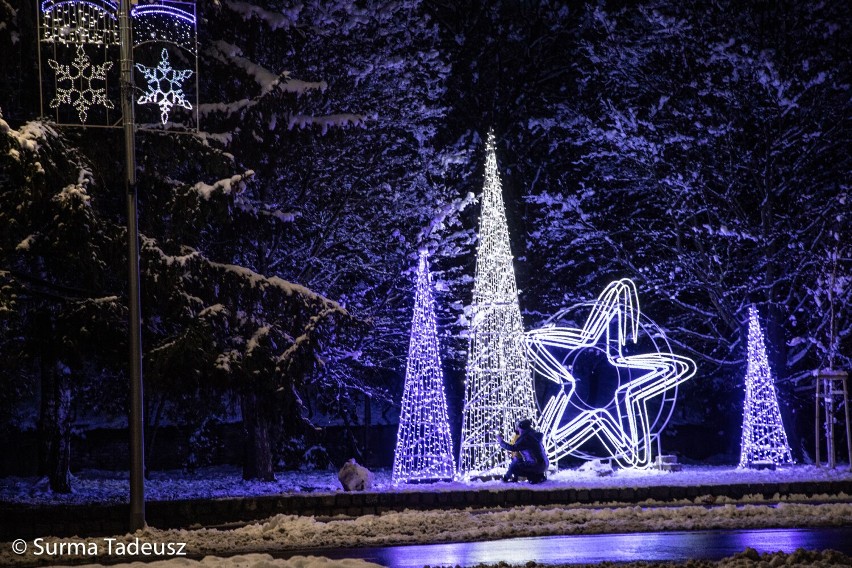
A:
(283, 533)
(91, 486)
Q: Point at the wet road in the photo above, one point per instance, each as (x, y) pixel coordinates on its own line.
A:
(668, 546)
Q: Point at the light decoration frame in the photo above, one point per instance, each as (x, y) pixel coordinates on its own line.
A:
(764, 439)
(424, 447)
(81, 94)
(156, 78)
(175, 23)
(644, 399)
(66, 26)
(499, 387)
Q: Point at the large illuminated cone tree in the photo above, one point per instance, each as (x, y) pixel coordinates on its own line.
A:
(424, 448)
(498, 386)
(764, 439)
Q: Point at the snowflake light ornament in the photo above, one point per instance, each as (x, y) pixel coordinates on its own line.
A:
(164, 86)
(81, 94)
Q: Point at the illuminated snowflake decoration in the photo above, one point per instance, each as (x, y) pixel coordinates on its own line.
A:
(81, 94)
(643, 376)
(164, 86)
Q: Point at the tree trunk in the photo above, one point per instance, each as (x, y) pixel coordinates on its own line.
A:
(257, 460)
(55, 426)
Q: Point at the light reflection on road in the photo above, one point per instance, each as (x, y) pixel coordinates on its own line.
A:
(669, 546)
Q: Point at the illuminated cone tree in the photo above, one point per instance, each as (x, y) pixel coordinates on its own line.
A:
(424, 449)
(498, 386)
(764, 439)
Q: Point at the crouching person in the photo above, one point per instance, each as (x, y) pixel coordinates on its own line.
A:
(531, 460)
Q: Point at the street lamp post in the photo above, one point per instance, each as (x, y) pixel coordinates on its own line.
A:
(79, 24)
(136, 419)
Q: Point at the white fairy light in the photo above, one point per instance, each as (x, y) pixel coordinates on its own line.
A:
(80, 93)
(763, 438)
(164, 86)
(173, 22)
(79, 22)
(625, 427)
(424, 448)
(499, 388)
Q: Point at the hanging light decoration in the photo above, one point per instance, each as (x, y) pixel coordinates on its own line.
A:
(76, 22)
(165, 21)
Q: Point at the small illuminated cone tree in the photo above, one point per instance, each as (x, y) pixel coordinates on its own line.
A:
(424, 448)
(764, 439)
(498, 385)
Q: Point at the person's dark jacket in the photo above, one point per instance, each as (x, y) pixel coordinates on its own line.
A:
(530, 448)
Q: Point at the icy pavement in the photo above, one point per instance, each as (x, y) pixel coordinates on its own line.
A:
(749, 558)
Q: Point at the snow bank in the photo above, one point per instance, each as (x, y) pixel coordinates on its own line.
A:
(91, 486)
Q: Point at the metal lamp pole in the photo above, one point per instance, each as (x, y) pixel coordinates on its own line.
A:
(136, 419)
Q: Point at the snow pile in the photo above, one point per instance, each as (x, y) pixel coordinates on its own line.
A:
(283, 533)
(92, 486)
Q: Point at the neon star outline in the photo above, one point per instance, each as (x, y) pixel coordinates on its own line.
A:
(88, 97)
(156, 95)
(624, 425)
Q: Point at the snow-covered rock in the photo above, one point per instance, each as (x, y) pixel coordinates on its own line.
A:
(355, 477)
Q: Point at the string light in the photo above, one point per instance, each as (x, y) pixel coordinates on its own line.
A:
(80, 93)
(173, 22)
(87, 22)
(625, 427)
(498, 385)
(164, 86)
(764, 439)
(424, 450)
(79, 22)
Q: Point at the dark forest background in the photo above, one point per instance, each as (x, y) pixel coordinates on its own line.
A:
(702, 149)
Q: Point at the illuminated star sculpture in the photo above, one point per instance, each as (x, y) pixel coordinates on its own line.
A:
(424, 448)
(627, 425)
(80, 94)
(164, 86)
(764, 438)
